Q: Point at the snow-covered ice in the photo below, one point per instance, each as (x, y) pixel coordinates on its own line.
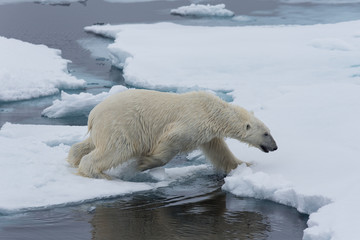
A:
(77, 104)
(201, 10)
(233, 60)
(31, 71)
(36, 175)
(302, 81)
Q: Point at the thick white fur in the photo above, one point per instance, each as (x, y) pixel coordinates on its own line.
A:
(152, 127)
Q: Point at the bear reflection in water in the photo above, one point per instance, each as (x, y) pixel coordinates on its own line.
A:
(217, 215)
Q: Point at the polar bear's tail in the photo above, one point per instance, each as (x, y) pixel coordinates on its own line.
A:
(78, 150)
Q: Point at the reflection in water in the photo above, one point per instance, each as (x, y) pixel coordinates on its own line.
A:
(208, 219)
(216, 215)
(180, 211)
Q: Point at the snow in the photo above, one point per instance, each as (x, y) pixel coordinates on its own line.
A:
(36, 174)
(77, 104)
(31, 71)
(51, 2)
(201, 10)
(302, 81)
(233, 58)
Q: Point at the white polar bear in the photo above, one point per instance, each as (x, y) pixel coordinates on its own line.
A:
(152, 127)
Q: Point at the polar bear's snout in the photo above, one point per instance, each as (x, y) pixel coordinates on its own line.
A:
(269, 144)
(266, 149)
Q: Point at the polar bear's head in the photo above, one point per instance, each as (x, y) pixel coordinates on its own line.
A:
(258, 135)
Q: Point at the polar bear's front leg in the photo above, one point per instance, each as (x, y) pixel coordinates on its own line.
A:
(220, 155)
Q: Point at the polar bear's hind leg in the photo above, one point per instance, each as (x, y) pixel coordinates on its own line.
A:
(77, 151)
(95, 163)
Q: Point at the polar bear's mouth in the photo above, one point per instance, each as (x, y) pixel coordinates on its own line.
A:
(264, 149)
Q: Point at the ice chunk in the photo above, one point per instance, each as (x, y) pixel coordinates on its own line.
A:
(31, 71)
(106, 30)
(77, 104)
(246, 183)
(200, 10)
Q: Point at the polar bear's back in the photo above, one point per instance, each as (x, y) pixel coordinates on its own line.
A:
(140, 114)
(151, 104)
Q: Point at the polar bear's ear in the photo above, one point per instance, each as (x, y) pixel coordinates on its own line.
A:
(252, 112)
(248, 126)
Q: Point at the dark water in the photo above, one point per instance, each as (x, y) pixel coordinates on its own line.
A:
(176, 212)
(191, 209)
(61, 27)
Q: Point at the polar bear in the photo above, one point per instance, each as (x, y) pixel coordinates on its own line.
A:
(152, 127)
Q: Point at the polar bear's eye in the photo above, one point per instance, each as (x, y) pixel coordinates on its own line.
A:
(266, 134)
(248, 126)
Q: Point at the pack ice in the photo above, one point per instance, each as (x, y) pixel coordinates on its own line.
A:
(31, 71)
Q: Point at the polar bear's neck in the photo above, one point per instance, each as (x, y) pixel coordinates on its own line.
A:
(227, 120)
(233, 122)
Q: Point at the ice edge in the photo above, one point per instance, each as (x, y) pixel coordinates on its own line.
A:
(244, 182)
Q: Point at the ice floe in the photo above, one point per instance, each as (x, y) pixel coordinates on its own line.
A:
(36, 175)
(244, 181)
(232, 59)
(31, 71)
(81, 104)
(302, 81)
(201, 10)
